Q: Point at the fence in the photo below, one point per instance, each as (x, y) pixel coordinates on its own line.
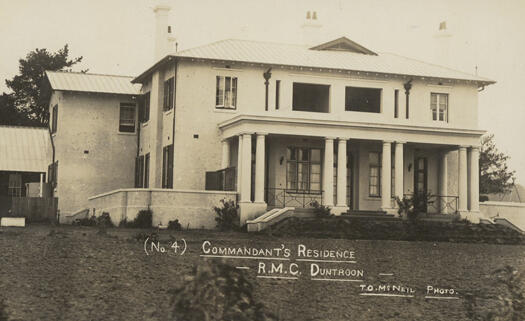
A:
(34, 209)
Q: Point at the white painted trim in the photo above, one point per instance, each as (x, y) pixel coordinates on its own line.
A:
(340, 123)
(147, 190)
(506, 204)
(336, 77)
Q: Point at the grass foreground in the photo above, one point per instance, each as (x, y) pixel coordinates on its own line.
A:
(77, 273)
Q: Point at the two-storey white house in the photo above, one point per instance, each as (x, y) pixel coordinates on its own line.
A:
(278, 125)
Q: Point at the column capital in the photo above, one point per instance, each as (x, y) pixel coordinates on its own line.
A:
(463, 147)
(387, 142)
(261, 133)
(246, 134)
(400, 142)
(330, 138)
(225, 140)
(475, 148)
(343, 139)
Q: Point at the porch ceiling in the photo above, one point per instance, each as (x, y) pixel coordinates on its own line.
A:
(350, 130)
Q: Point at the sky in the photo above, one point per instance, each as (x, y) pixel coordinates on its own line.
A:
(116, 37)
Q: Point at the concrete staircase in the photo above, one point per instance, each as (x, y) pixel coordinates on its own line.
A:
(276, 215)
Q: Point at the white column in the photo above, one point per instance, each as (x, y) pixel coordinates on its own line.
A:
(386, 176)
(225, 163)
(328, 172)
(239, 164)
(398, 163)
(474, 179)
(341, 173)
(443, 182)
(462, 177)
(259, 167)
(41, 193)
(246, 168)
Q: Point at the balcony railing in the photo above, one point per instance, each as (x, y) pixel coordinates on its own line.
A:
(280, 197)
(221, 180)
(441, 204)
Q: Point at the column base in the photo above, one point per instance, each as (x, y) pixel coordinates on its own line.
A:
(250, 211)
(339, 209)
(472, 216)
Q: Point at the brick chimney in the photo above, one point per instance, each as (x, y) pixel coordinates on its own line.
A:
(311, 29)
(442, 46)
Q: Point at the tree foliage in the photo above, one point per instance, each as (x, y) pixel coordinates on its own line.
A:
(495, 175)
(28, 102)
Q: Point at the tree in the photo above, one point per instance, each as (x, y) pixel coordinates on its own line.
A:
(495, 175)
(28, 103)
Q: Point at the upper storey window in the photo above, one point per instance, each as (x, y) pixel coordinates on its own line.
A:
(439, 107)
(363, 99)
(127, 118)
(226, 92)
(169, 89)
(311, 97)
(54, 119)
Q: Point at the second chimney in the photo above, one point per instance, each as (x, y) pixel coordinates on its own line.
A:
(162, 31)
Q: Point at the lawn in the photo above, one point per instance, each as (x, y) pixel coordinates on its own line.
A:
(74, 273)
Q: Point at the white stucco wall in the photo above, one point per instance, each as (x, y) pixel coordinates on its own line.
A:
(513, 212)
(90, 123)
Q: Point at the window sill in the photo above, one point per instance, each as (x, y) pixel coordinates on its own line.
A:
(145, 124)
(225, 110)
(169, 111)
(127, 134)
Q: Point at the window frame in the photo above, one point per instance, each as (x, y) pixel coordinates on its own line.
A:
(379, 91)
(309, 162)
(146, 170)
(370, 167)
(167, 166)
(134, 119)
(146, 105)
(169, 93)
(220, 81)
(435, 109)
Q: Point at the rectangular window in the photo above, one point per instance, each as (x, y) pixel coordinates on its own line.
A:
(311, 97)
(277, 93)
(54, 119)
(15, 185)
(226, 92)
(374, 182)
(139, 172)
(303, 169)
(396, 103)
(168, 93)
(363, 99)
(167, 166)
(127, 118)
(439, 107)
(144, 112)
(146, 171)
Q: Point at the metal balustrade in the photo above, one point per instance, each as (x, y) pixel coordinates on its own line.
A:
(280, 197)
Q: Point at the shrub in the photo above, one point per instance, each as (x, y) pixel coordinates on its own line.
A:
(321, 211)
(411, 207)
(104, 220)
(216, 292)
(88, 221)
(508, 304)
(227, 217)
(174, 225)
(3, 312)
(143, 219)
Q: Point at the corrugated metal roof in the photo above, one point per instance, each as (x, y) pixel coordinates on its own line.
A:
(77, 81)
(24, 149)
(297, 55)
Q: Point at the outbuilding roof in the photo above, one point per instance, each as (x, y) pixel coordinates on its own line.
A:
(94, 83)
(340, 54)
(24, 149)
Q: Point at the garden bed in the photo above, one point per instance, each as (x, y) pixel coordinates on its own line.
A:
(399, 230)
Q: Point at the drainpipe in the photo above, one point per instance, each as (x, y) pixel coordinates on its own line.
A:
(53, 157)
(408, 86)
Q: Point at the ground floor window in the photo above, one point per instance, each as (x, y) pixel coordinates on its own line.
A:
(374, 174)
(142, 171)
(303, 169)
(167, 166)
(15, 185)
